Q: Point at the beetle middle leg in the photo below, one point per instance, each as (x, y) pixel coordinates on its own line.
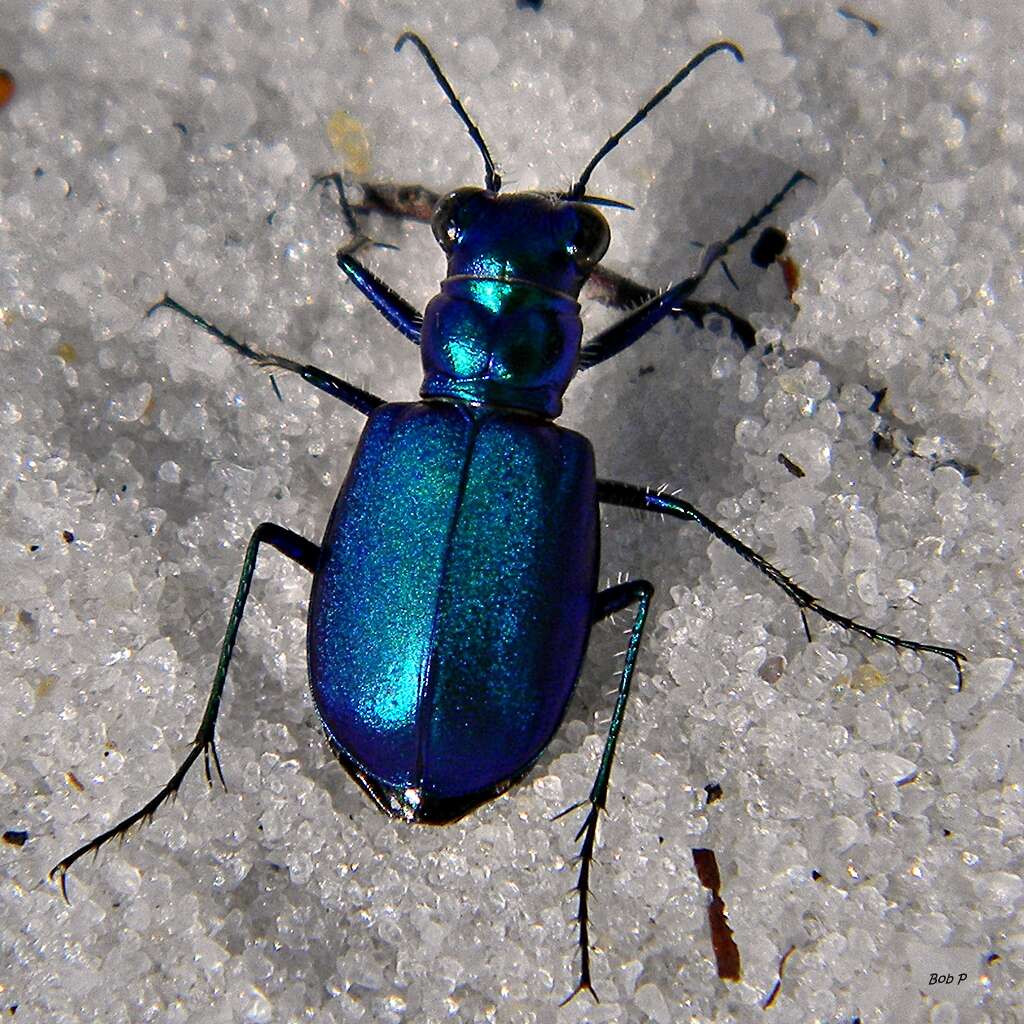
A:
(359, 399)
(298, 549)
(646, 500)
(608, 602)
(294, 546)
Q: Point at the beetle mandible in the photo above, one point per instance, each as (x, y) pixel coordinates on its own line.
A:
(456, 583)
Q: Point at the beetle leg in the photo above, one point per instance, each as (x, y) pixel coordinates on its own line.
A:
(298, 549)
(402, 315)
(412, 202)
(359, 399)
(671, 302)
(611, 288)
(644, 318)
(612, 493)
(402, 202)
(608, 602)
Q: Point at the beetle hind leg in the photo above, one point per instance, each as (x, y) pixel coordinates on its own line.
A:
(607, 603)
(298, 549)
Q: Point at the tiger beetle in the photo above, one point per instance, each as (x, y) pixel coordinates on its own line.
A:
(456, 584)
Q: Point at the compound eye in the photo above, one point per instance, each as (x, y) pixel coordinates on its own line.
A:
(453, 214)
(590, 242)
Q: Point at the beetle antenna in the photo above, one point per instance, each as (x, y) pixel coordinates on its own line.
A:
(492, 179)
(579, 189)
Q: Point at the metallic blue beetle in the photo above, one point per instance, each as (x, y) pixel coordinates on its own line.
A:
(456, 583)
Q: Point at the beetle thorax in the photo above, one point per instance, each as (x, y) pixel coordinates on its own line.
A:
(505, 327)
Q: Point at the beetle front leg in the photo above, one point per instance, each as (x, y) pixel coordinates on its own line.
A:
(359, 399)
(411, 202)
(402, 315)
(298, 549)
(608, 602)
(613, 289)
(612, 493)
(673, 301)
(417, 202)
(401, 202)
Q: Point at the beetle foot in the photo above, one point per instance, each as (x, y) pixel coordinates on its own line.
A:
(582, 985)
(572, 807)
(588, 833)
(58, 873)
(360, 238)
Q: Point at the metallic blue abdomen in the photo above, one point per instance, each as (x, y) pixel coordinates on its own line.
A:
(452, 605)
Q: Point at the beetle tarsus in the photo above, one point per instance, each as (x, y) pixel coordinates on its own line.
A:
(359, 238)
(121, 829)
(588, 832)
(208, 749)
(579, 803)
(299, 550)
